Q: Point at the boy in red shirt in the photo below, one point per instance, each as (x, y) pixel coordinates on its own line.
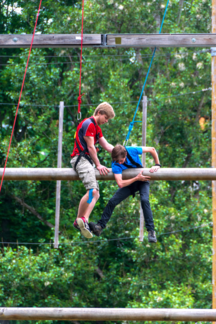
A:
(89, 133)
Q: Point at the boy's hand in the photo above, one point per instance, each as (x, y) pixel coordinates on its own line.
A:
(102, 169)
(154, 168)
(141, 177)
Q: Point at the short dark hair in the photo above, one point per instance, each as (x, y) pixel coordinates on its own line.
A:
(118, 152)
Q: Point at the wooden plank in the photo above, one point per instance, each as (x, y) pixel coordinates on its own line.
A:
(161, 40)
(52, 40)
(110, 40)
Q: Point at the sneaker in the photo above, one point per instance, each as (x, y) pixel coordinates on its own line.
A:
(76, 225)
(152, 237)
(84, 227)
(95, 228)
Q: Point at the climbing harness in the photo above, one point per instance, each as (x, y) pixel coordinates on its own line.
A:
(82, 153)
(137, 165)
(143, 88)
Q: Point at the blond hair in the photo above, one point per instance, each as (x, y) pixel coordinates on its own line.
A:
(105, 109)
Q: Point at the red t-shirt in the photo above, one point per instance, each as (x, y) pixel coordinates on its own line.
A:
(86, 128)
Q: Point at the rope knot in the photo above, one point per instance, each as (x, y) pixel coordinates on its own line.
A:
(131, 126)
(79, 104)
(80, 98)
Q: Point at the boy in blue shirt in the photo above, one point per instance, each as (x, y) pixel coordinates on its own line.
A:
(122, 159)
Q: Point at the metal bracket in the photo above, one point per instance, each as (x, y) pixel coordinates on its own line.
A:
(213, 51)
(104, 39)
(118, 40)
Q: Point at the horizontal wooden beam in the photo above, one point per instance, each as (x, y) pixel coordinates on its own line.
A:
(69, 174)
(107, 314)
(161, 40)
(52, 40)
(109, 40)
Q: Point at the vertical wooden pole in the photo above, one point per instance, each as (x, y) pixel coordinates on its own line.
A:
(214, 156)
(144, 127)
(58, 184)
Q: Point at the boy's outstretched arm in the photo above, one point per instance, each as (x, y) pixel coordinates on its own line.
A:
(124, 183)
(93, 153)
(107, 146)
(155, 157)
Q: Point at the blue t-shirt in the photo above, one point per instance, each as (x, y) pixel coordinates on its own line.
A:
(134, 152)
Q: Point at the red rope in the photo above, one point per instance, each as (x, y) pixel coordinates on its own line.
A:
(80, 95)
(20, 95)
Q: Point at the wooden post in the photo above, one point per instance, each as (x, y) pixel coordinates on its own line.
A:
(213, 61)
(58, 185)
(144, 127)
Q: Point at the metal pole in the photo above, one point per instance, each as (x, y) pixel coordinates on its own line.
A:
(144, 128)
(107, 314)
(58, 185)
(213, 72)
(50, 174)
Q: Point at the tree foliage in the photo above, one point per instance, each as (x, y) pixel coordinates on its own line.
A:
(115, 270)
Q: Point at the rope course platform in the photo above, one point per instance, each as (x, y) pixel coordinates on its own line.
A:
(53, 174)
(108, 40)
(108, 314)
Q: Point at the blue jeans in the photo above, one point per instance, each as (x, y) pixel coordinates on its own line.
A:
(121, 194)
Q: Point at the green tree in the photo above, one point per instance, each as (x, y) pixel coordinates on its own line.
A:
(115, 270)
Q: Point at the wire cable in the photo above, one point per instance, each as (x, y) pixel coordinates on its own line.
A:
(101, 59)
(112, 55)
(112, 103)
(20, 95)
(143, 88)
(110, 240)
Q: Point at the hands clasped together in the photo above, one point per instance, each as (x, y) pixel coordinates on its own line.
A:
(140, 177)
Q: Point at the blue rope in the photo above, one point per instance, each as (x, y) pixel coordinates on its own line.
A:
(143, 88)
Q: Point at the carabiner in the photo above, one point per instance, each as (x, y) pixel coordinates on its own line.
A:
(79, 116)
